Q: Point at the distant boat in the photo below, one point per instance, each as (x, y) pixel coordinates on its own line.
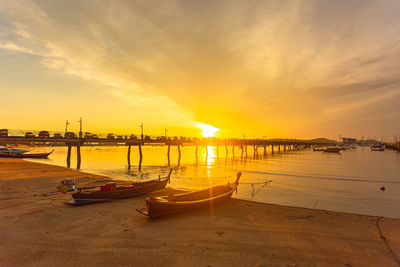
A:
(24, 155)
(378, 147)
(332, 150)
(165, 205)
(363, 144)
(315, 148)
(344, 147)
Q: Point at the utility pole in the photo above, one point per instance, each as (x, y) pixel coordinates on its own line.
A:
(80, 128)
(66, 126)
(141, 126)
(166, 133)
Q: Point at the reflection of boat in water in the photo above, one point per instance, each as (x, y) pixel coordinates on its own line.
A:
(332, 149)
(378, 147)
(165, 205)
(24, 155)
(4, 149)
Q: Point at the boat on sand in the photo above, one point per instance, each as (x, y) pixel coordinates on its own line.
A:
(122, 191)
(5, 149)
(25, 155)
(165, 205)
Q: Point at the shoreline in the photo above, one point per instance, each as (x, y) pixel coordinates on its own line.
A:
(236, 233)
(100, 176)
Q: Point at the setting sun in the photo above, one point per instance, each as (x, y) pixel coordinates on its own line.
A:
(207, 130)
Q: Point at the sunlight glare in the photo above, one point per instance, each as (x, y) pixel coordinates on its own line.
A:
(207, 130)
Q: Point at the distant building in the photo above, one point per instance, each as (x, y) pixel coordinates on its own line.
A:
(348, 140)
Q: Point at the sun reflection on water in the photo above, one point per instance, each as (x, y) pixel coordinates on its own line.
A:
(209, 156)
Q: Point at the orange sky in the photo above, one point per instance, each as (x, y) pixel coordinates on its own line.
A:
(298, 69)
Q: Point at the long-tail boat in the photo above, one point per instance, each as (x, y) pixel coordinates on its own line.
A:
(124, 191)
(378, 147)
(26, 155)
(331, 150)
(165, 205)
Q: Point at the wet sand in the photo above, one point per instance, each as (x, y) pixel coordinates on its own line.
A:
(37, 229)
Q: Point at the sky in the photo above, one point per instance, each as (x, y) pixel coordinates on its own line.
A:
(275, 69)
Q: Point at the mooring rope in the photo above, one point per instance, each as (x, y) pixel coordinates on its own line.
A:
(189, 177)
(264, 184)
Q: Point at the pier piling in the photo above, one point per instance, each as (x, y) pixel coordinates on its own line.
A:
(140, 157)
(179, 155)
(129, 156)
(69, 156)
(169, 160)
(78, 156)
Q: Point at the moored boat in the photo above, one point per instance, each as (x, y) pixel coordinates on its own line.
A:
(25, 155)
(6, 150)
(331, 149)
(165, 205)
(378, 147)
(125, 191)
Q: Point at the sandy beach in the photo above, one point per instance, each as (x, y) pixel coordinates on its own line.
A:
(37, 229)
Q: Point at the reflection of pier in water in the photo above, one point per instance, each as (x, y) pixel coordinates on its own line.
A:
(211, 150)
(242, 144)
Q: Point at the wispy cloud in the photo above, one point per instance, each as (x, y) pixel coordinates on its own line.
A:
(270, 62)
(365, 102)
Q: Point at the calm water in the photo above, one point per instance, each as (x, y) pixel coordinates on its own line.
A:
(348, 182)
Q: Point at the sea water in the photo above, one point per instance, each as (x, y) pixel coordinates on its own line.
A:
(349, 181)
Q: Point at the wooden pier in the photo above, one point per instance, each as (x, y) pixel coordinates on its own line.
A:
(242, 144)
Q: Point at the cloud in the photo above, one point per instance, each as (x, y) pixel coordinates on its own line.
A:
(363, 103)
(217, 61)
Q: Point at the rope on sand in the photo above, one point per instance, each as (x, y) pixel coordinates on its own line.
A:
(385, 240)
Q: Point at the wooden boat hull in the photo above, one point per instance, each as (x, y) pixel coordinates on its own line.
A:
(24, 156)
(140, 189)
(156, 209)
(167, 205)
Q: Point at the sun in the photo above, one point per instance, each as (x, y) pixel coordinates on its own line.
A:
(207, 130)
